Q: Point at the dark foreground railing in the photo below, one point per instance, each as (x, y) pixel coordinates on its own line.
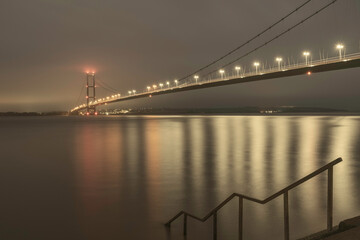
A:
(285, 191)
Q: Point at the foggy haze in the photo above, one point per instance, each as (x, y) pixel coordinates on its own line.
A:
(46, 46)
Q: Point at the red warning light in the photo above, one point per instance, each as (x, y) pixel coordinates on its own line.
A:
(96, 113)
(87, 96)
(87, 113)
(308, 73)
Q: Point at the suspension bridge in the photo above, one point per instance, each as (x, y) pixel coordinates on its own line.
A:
(235, 73)
(231, 72)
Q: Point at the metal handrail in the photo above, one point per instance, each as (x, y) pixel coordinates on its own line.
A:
(284, 191)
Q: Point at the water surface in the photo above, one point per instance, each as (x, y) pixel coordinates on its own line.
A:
(110, 178)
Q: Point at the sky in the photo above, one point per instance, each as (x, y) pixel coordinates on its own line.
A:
(47, 46)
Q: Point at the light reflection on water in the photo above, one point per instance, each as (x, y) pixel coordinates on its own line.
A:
(123, 177)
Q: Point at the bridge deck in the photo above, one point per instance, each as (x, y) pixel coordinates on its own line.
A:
(294, 70)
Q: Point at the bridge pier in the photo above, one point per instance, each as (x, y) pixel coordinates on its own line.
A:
(90, 94)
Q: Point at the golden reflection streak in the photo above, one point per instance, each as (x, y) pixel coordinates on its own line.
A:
(257, 148)
(197, 154)
(90, 142)
(281, 150)
(342, 141)
(308, 194)
(133, 145)
(113, 157)
(152, 142)
(173, 166)
(88, 167)
(257, 161)
(238, 150)
(308, 145)
(219, 126)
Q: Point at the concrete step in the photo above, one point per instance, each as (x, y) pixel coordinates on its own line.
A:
(346, 230)
(351, 234)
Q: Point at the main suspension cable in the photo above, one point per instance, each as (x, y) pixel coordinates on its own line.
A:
(277, 36)
(248, 41)
(107, 85)
(106, 88)
(81, 91)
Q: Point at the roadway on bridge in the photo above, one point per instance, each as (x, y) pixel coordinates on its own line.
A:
(351, 61)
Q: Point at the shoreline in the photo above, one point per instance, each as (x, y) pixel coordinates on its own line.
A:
(195, 114)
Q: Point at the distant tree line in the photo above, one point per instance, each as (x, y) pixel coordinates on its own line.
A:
(54, 113)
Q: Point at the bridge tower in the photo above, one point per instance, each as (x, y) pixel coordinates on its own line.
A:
(90, 94)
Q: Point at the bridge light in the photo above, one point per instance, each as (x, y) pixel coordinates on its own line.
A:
(176, 82)
(168, 83)
(134, 91)
(256, 64)
(161, 85)
(148, 88)
(196, 78)
(340, 47)
(222, 71)
(306, 54)
(129, 92)
(96, 113)
(237, 68)
(279, 60)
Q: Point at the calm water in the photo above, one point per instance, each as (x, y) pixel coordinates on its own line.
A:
(123, 177)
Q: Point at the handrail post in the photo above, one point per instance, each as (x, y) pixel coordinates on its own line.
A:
(185, 224)
(240, 218)
(330, 199)
(286, 216)
(215, 226)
